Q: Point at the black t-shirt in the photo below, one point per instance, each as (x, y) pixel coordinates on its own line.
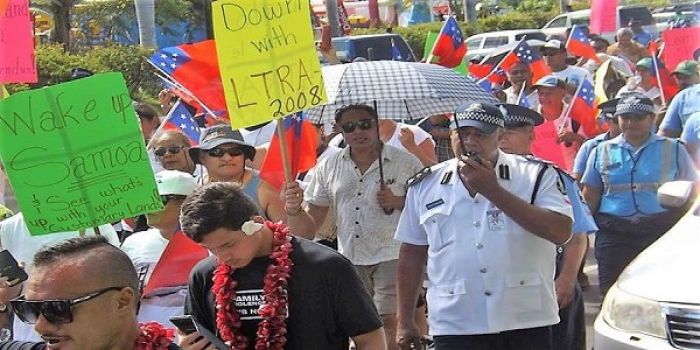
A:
(327, 302)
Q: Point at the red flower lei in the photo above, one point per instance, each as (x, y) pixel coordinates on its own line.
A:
(154, 336)
(272, 329)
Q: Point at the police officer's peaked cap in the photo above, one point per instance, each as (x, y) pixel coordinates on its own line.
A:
(483, 116)
(608, 108)
(516, 115)
(634, 103)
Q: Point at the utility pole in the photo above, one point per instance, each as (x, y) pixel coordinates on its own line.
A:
(470, 11)
(332, 15)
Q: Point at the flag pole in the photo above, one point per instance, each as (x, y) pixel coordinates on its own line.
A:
(430, 56)
(520, 94)
(571, 33)
(283, 148)
(159, 130)
(567, 116)
(658, 78)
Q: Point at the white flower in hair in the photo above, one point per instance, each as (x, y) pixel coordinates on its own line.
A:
(250, 227)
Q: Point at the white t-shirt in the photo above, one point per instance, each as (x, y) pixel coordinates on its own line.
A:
(574, 75)
(15, 237)
(144, 249)
(259, 136)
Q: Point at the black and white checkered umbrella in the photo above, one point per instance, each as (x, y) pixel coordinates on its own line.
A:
(401, 90)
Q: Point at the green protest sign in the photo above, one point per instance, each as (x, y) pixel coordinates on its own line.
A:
(75, 156)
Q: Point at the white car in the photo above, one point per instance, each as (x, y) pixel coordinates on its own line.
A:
(484, 43)
(559, 24)
(655, 304)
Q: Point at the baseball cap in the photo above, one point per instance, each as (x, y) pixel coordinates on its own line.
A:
(687, 68)
(645, 62)
(218, 135)
(554, 44)
(176, 182)
(483, 116)
(550, 81)
(636, 104)
(516, 115)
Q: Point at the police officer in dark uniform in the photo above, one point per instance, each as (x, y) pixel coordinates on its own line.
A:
(620, 184)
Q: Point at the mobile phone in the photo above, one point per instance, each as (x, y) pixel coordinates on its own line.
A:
(184, 323)
(473, 156)
(10, 269)
(187, 325)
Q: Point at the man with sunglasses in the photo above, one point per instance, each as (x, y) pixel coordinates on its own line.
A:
(488, 230)
(15, 237)
(367, 211)
(81, 294)
(223, 153)
(146, 247)
(620, 182)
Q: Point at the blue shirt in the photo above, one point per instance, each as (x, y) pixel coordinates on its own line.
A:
(583, 219)
(585, 152)
(642, 38)
(691, 134)
(686, 170)
(681, 107)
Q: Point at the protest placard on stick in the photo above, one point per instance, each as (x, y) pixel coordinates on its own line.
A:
(679, 45)
(75, 155)
(267, 58)
(16, 43)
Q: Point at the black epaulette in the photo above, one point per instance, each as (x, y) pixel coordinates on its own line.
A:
(418, 177)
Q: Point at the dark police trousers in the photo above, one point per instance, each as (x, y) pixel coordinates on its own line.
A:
(620, 240)
(521, 339)
(570, 332)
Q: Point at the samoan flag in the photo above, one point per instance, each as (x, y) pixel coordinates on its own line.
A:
(195, 67)
(450, 46)
(180, 118)
(526, 54)
(395, 52)
(300, 136)
(583, 110)
(578, 45)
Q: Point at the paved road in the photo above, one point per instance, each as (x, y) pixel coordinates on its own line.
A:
(591, 296)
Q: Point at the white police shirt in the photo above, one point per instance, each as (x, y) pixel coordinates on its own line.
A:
(486, 273)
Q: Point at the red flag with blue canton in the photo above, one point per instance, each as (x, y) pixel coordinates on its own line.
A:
(180, 118)
(450, 46)
(578, 45)
(583, 109)
(300, 135)
(196, 68)
(526, 54)
(175, 264)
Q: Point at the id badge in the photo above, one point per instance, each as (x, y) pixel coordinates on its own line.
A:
(496, 219)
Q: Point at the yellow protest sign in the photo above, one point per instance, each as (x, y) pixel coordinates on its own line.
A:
(267, 57)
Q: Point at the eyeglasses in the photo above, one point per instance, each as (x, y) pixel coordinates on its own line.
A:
(218, 152)
(167, 198)
(56, 311)
(363, 124)
(161, 151)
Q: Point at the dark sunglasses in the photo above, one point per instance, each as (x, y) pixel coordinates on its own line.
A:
(217, 152)
(363, 124)
(167, 198)
(161, 151)
(55, 311)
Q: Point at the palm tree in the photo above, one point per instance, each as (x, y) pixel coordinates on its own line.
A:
(146, 18)
(61, 10)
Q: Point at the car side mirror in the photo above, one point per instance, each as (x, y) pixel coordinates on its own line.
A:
(675, 194)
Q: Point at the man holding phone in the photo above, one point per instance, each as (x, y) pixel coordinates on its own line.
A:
(264, 287)
(488, 230)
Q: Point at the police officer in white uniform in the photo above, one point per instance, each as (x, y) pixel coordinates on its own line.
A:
(487, 224)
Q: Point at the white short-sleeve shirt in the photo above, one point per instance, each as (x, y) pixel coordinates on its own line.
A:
(365, 232)
(486, 273)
